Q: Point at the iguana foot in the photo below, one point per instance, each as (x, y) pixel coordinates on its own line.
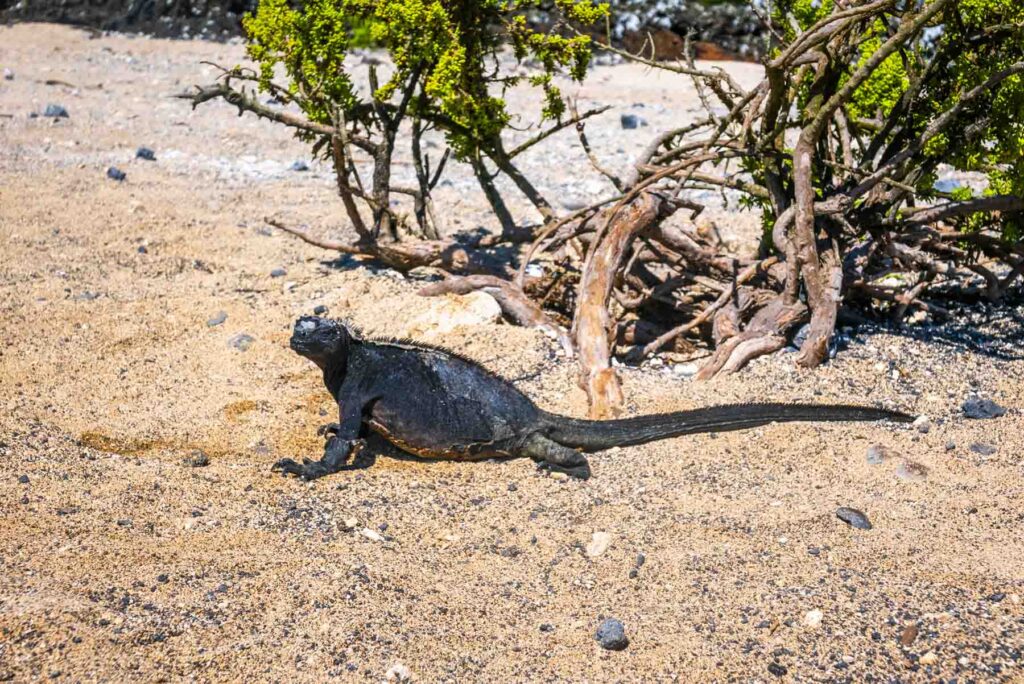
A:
(328, 430)
(337, 453)
(580, 472)
(556, 457)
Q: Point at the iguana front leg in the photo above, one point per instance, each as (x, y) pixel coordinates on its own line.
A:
(343, 445)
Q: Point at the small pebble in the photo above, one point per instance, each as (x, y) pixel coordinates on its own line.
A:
(145, 153)
(686, 370)
(631, 121)
(928, 658)
(23, 479)
(853, 518)
(115, 173)
(197, 459)
(163, 579)
(611, 634)
(319, 310)
(950, 445)
(278, 273)
(923, 424)
(599, 543)
(217, 319)
(984, 449)
(981, 409)
(142, 249)
(909, 634)
(997, 597)
(777, 670)
(911, 471)
(813, 618)
(398, 673)
(299, 166)
(877, 454)
(8, 74)
(241, 341)
(55, 111)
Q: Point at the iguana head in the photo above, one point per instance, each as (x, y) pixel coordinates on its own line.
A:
(319, 339)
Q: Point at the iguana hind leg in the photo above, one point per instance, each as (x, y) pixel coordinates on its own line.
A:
(556, 457)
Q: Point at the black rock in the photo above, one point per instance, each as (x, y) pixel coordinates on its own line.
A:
(23, 479)
(547, 627)
(630, 121)
(984, 449)
(278, 273)
(163, 579)
(319, 310)
(142, 249)
(217, 319)
(611, 634)
(115, 173)
(55, 111)
(997, 597)
(145, 153)
(981, 409)
(853, 518)
(777, 670)
(299, 166)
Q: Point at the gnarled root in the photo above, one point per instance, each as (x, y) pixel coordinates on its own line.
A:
(592, 326)
(766, 333)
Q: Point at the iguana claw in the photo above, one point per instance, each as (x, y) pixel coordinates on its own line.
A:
(328, 429)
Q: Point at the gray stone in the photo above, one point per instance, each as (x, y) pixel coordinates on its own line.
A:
(877, 454)
(217, 319)
(853, 518)
(981, 409)
(241, 341)
(984, 449)
(196, 459)
(912, 471)
(55, 111)
(611, 634)
(299, 166)
(278, 273)
(145, 153)
(631, 121)
(115, 173)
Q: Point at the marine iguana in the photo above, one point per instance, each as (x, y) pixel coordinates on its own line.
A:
(434, 403)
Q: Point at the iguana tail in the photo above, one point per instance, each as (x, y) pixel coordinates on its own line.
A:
(596, 435)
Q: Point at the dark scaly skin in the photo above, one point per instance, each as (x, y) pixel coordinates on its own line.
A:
(432, 403)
